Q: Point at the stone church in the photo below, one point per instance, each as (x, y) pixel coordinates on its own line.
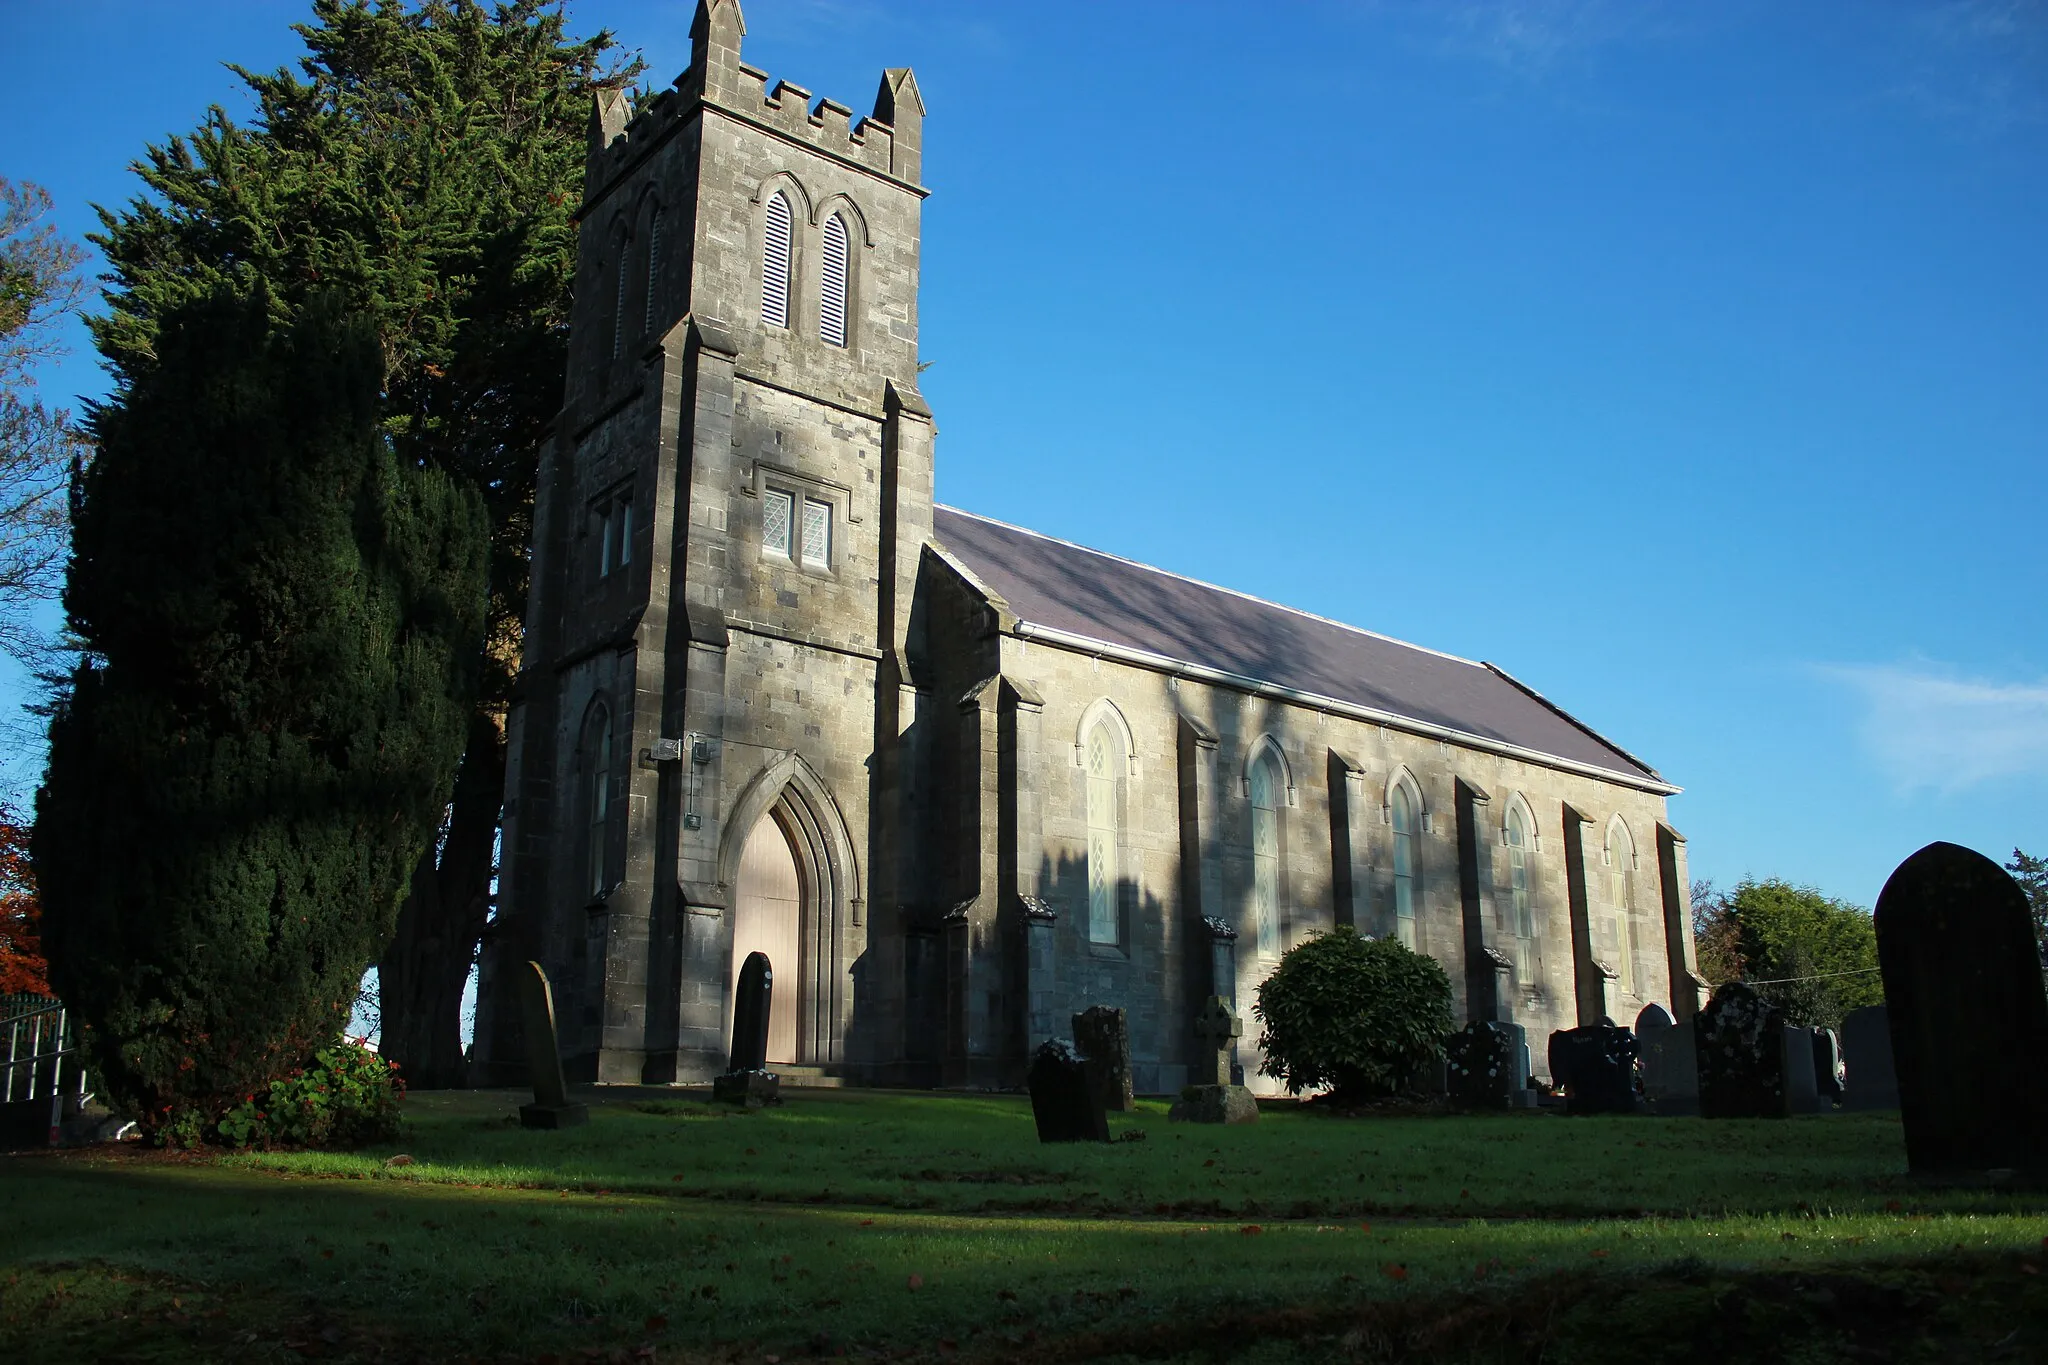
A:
(957, 779)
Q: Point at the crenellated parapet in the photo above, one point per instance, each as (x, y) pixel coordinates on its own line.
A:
(889, 141)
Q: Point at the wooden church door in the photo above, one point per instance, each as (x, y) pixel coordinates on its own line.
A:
(768, 918)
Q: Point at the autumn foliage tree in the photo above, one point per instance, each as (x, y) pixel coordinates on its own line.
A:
(22, 968)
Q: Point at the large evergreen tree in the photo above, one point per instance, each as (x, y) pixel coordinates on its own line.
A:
(423, 164)
(279, 619)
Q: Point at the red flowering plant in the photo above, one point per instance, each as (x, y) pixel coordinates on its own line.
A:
(347, 1097)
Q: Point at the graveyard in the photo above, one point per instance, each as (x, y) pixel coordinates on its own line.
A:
(1734, 1184)
(921, 1226)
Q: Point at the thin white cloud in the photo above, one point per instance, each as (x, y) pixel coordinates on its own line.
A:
(1532, 36)
(1928, 726)
(1977, 65)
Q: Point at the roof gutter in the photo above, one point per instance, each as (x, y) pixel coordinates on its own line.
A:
(1160, 663)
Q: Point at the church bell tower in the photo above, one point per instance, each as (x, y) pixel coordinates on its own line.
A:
(727, 531)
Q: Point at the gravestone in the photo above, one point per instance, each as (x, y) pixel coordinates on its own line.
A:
(1802, 1094)
(1665, 1057)
(747, 1082)
(1827, 1067)
(550, 1107)
(1867, 1055)
(1103, 1034)
(1063, 1102)
(1969, 1019)
(1741, 1039)
(1215, 1099)
(1595, 1066)
(1484, 1065)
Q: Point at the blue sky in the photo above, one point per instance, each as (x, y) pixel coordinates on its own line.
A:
(1688, 361)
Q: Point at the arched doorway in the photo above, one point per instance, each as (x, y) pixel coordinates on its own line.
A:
(768, 917)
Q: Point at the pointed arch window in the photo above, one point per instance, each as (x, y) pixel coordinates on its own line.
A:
(1520, 897)
(1268, 796)
(1621, 895)
(832, 267)
(653, 269)
(1105, 767)
(776, 244)
(1404, 817)
(597, 755)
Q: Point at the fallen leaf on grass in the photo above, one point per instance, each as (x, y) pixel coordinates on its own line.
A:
(1601, 1253)
(917, 1281)
(657, 1323)
(1251, 1229)
(1394, 1271)
(1365, 1227)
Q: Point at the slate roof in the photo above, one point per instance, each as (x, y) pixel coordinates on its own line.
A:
(1085, 592)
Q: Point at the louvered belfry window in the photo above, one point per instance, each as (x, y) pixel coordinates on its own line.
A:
(653, 269)
(619, 297)
(832, 295)
(775, 251)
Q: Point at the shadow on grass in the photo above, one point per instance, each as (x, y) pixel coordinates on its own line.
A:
(448, 1269)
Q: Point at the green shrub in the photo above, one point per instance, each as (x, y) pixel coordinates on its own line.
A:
(1359, 1015)
(348, 1097)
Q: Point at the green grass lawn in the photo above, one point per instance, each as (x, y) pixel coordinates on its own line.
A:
(913, 1225)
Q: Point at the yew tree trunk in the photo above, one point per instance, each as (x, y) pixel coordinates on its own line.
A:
(421, 975)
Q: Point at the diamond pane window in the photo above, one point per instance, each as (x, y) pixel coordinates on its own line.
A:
(1524, 925)
(1103, 767)
(1621, 894)
(1266, 854)
(776, 507)
(832, 283)
(775, 253)
(817, 534)
(1403, 815)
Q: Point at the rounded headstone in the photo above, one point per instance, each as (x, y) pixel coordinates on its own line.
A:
(1968, 1017)
(1653, 1016)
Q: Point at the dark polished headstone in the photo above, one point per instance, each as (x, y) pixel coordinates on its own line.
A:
(747, 1081)
(1827, 1065)
(1969, 1020)
(1595, 1066)
(550, 1107)
(1484, 1065)
(1063, 1103)
(751, 999)
(1867, 1056)
(1741, 1051)
(1103, 1034)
